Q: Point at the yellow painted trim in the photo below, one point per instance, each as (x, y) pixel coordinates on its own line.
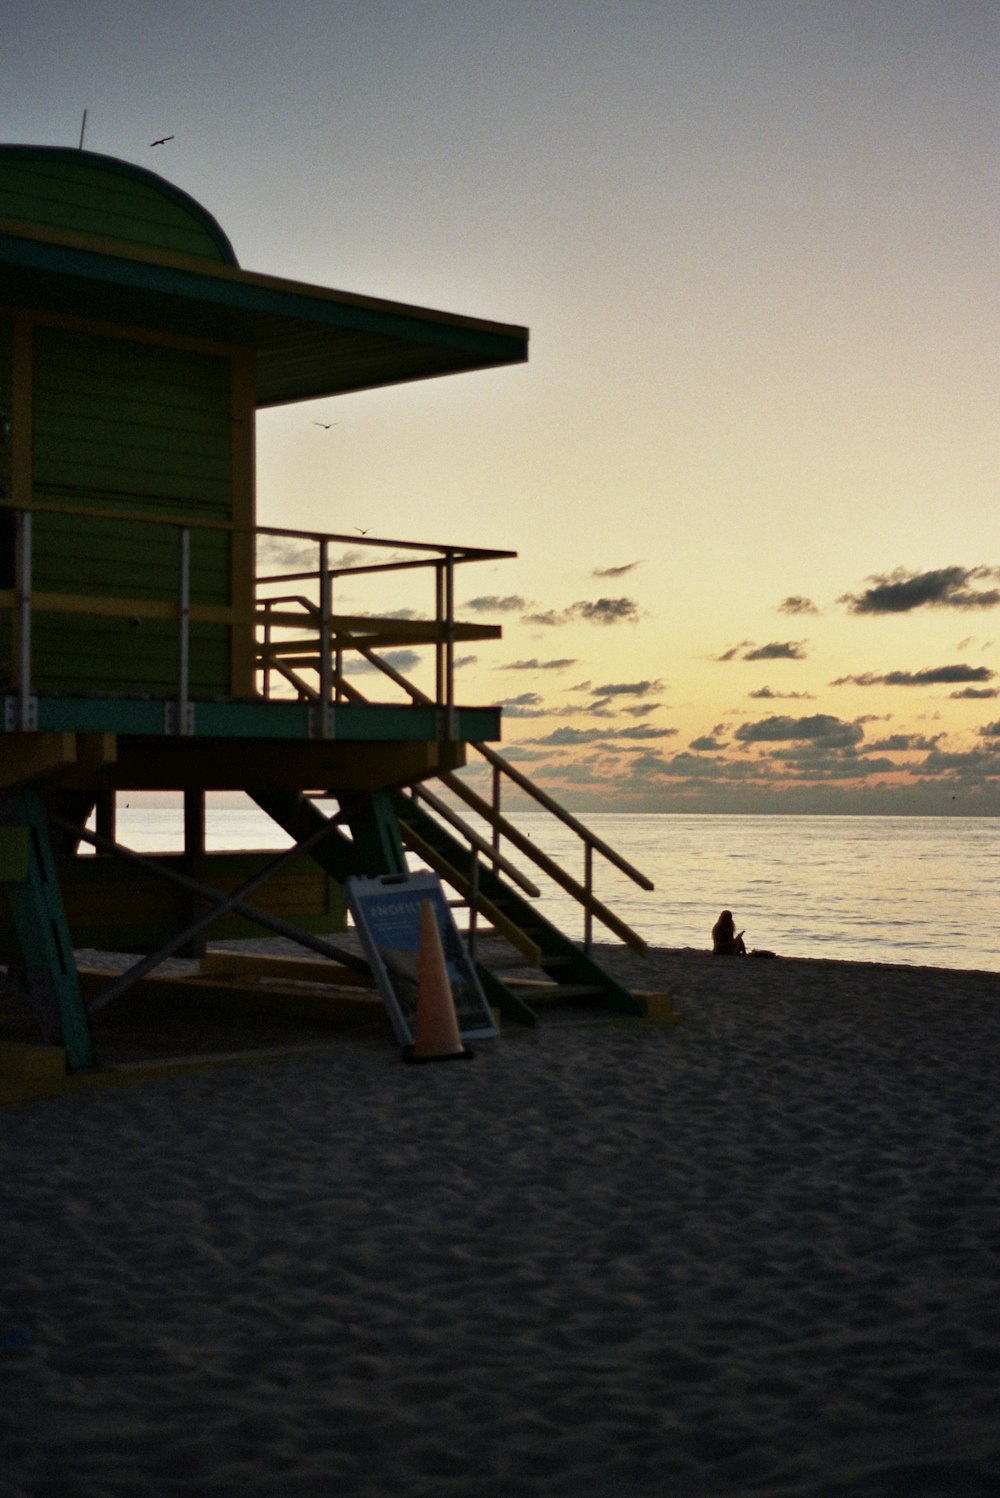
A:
(127, 608)
(115, 249)
(29, 757)
(129, 332)
(256, 966)
(660, 1008)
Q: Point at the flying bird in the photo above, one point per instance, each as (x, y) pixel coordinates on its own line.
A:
(161, 142)
(326, 425)
(360, 531)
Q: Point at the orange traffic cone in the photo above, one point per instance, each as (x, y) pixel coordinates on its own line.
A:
(436, 1036)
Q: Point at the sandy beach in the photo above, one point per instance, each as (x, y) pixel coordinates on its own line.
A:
(754, 1253)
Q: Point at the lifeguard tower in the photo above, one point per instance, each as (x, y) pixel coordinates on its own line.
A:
(151, 640)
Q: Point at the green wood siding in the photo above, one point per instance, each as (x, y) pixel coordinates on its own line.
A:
(89, 194)
(7, 524)
(145, 429)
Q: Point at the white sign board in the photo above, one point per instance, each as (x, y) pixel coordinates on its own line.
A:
(386, 912)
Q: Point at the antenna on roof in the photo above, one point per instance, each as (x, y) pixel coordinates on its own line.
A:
(82, 129)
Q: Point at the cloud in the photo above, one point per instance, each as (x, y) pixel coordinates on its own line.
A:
(975, 692)
(492, 603)
(904, 743)
(833, 732)
(628, 688)
(536, 665)
(777, 650)
(707, 744)
(572, 736)
(766, 695)
(550, 618)
(783, 650)
(930, 676)
(900, 592)
(990, 730)
(797, 605)
(524, 705)
(615, 571)
(592, 611)
(606, 610)
(401, 660)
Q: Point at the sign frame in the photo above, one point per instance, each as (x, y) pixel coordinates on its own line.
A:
(386, 911)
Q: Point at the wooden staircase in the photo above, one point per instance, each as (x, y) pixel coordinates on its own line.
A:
(570, 974)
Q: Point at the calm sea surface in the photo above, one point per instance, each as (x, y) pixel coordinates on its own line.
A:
(880, 889)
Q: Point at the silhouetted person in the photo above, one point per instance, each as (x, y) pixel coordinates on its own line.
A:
(726, 940)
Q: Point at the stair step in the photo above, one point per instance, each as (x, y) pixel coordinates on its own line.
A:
(537, 989)
(516, 960)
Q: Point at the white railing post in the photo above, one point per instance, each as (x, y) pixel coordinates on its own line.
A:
(473, 903)
(588, 884)
(449, 663)
(183, 725)
(325, 664)
(497, 794)
(24, 708)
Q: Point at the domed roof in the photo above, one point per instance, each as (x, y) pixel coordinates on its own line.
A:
(55, 187)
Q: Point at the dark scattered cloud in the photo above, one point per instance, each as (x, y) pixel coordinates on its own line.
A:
(606, 610)
(549, 618)
(975, 693)
(900, 592)
(778, 650)
(616, 571)
(561, 664)
(524, 705)
(707, 744)
(990, 730)
(493, 603)
(640, 709)
(572, 736)
(930, 676)
(833, 732)
(592, 611)
(904, 743)
(795, 604)
(401, 660)
(627, 688)
(764, 694)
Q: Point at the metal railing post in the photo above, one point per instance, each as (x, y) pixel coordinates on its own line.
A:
(183, 725)
(588, 884)
(473, 903)
(24, 621)
(449, 661)
(325, 664)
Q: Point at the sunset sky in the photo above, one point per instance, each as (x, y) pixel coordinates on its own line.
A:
(751, 467)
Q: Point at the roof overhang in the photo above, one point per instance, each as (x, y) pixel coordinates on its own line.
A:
(309, 341)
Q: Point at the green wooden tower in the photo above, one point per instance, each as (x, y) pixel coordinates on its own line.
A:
(145, 642)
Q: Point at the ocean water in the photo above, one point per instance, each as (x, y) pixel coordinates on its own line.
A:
(919, 890)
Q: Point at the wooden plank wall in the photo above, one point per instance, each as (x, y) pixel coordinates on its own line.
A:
(146, 428)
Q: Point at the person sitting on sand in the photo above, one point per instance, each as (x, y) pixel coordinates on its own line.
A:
(726, 940)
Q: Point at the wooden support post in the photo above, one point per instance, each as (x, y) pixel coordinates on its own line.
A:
(48, 961)
(194, 866)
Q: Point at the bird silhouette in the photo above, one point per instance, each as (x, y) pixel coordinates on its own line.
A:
(161, 142)
(360, 531)
(326, 425)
